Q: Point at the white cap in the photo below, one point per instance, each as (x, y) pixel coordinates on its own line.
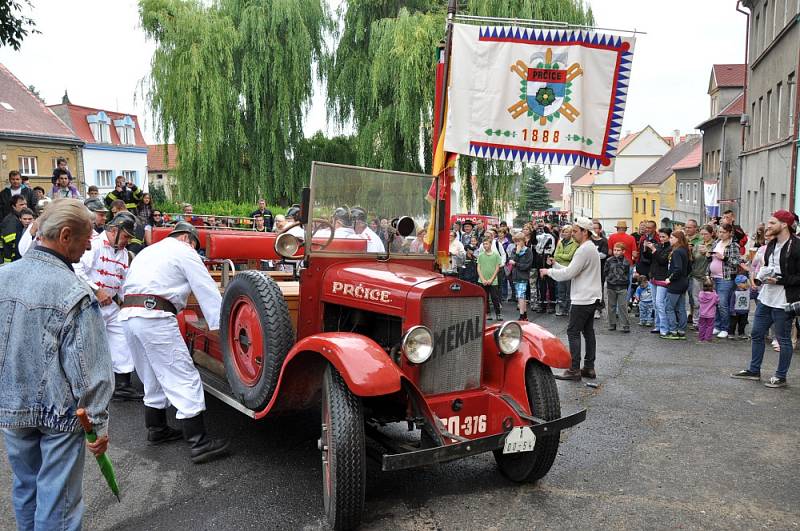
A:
(584, 223)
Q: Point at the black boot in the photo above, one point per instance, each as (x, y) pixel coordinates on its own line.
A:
(204, 448)
(158, 431)
(123, 389)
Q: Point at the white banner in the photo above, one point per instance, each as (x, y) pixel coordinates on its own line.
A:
(710, 197)
(545, 96)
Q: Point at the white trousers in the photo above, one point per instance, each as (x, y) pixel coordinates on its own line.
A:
(121, 358)
(164, 365)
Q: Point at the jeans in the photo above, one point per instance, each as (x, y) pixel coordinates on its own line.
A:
(646, 312)
(47, 467)
(695, 287)
(766, 317)
(581, 321)
(659, 302)
(562, 296)
(618, 305)
(675, 310)
(723, 289)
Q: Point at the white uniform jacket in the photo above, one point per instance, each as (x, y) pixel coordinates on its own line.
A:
(103, 266)
(172, 269)
(374, 243)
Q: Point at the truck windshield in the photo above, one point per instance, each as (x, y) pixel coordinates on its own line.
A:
(364, 207)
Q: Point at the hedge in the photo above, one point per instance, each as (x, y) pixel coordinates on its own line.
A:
(218, 208)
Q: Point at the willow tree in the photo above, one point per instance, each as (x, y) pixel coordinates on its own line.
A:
(380, 79)
(230, 81)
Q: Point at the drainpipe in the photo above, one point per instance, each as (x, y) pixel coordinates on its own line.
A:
(746, 62)
(796, 140)
(722, 164)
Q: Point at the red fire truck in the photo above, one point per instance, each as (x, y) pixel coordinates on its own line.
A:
(379, 338)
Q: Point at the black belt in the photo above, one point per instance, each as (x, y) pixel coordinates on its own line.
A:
(150, 302)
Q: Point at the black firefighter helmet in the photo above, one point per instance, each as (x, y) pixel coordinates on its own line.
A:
(293, 212)
(358, 215)
(124, 221)
(184, 227)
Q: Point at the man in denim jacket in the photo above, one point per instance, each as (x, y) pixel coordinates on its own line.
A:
(54, 359)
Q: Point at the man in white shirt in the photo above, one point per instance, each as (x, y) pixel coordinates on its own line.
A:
(103, 268)
(157, 287)
(361, 230)
(780, 284)
(585, 293)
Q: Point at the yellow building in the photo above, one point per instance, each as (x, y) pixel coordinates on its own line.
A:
(32, 138)
(654, 191)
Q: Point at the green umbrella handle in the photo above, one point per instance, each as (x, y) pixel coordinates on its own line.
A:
(91, 436)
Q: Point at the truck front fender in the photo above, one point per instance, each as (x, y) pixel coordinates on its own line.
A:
(540, 344)
(364, 365)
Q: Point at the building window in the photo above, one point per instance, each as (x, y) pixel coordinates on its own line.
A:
(766, 31)
(100, 125)
(653, 207)
(159, 176)
(105, 179)
(752, 121)
(760, 121)
(636, 205)
(779, 110)
(130, 176)
(714, 105)
(768, 110)
(54, 160)
(28, 166)
(792, 94)
(680, 192)
(783, 201)
(756, 29)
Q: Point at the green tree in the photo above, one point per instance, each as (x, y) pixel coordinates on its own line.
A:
(230, 81)
(534, 194)
(14, 26)
(380, 79)
(339, 150)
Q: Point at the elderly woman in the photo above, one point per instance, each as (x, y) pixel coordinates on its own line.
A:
(457, 252)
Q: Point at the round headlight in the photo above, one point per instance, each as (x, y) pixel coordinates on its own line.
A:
(508, 337)
(287, 245)
(418, 344)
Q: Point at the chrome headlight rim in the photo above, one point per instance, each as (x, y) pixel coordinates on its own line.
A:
(287, 245)
(415, 351)
(508, 344)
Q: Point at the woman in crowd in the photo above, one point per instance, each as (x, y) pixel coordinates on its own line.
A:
(658, 275)
(144, 210)
(677, 283)
(724, 267)
(457, 252)
(418, 245)
(521, 260)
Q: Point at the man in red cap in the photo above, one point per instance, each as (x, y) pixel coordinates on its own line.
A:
(780, 285)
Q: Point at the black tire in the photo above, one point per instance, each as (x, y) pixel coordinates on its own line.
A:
(257, 304)
(543, 397)
(342, 442)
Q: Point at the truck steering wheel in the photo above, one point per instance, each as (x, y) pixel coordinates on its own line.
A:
(320, 224)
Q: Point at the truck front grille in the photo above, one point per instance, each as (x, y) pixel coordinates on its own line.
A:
(457, 326)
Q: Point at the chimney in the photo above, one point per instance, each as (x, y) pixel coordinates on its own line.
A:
(65, 98)
(676, 136)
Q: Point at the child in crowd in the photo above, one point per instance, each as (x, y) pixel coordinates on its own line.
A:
(521, 260)
(739, 305)
(617, 271)
(644, 298)
(707, 300)
(489, 264)
(469, 269)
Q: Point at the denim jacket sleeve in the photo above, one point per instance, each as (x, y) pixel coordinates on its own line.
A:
(87, 362)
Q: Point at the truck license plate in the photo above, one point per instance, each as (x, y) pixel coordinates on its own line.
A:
(519, 439)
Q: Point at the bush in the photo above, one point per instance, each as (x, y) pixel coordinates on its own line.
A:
(217, 208)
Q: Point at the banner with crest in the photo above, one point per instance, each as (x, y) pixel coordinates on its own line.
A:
(537, 95)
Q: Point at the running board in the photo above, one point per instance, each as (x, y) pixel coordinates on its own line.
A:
(220, 389)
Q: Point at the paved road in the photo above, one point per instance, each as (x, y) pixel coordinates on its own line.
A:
(670, 442)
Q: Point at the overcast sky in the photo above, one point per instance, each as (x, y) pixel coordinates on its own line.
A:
(96, 50)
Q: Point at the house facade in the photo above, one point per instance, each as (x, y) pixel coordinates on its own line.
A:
(689, 197)
(771, 110)
(162, 159)
(113, 144)
(722, 138)
(653, 192)
(583, 195)
(33, 138)
(612, 194)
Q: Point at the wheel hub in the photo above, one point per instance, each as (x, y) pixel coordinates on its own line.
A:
(246, 341)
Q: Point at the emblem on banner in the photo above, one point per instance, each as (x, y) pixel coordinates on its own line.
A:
(546, 89)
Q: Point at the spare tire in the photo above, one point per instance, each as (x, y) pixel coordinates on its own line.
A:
(256, 334)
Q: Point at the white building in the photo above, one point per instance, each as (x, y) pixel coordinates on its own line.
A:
(114, 145)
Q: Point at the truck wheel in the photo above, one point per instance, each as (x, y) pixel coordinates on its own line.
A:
(543, 398)
(255, 334)
(344, 471)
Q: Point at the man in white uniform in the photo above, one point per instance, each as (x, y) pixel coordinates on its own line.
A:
(362, 230)
(103, 268)
(158, 284)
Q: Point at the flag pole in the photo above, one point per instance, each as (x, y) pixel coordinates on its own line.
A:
(442, 80)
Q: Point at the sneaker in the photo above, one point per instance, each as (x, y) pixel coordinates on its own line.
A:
(722, 335)
(673, 335)
(746, 375)
(664, 336)
(611, 328)
(681, 335)
(775, 382)
(732, 337)
(559, 314)
(626, 330)
(597, 314)
(488, 317)
(655, 331)
(716, 331)
(649, 323)
(692, 326)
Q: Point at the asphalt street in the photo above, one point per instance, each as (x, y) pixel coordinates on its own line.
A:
(670, 441)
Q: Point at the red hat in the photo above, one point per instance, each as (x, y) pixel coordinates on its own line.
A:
(784, 216)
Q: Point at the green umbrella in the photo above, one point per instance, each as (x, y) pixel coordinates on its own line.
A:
(102, 460)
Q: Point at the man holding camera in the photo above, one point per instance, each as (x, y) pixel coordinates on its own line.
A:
(124, 191)
(780, 287)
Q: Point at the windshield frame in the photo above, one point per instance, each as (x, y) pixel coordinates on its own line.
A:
(425, 183)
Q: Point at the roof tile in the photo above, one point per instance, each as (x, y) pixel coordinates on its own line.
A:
(661, 169)
(156, 158)
(729, 75)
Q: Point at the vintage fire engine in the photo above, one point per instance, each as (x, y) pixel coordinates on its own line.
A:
(380, 339)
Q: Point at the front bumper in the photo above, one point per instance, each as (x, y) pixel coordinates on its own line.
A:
(449, 452)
